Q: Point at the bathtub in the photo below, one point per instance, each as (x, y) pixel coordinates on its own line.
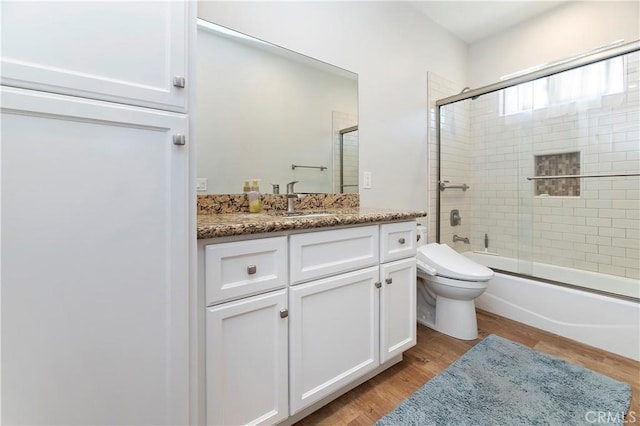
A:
(606, 322)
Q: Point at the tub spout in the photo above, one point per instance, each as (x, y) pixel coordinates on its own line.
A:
(457, 238)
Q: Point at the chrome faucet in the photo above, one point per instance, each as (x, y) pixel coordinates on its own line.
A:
(291, 196)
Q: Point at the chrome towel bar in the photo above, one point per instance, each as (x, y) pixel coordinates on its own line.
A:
(443, 186)
(322, 168)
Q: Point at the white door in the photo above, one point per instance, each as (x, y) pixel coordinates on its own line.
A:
(397, 307)
(94, 242)
(333, 330)
(120, 51)
(247, 378)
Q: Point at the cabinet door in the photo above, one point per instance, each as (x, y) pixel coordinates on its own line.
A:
(120, 51)
(397, 308)
(333, 334)
(95, 241)
(247, 361)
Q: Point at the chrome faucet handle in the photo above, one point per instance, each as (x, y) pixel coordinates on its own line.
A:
(290, 186)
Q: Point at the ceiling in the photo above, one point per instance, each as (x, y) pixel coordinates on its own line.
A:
(474, 20)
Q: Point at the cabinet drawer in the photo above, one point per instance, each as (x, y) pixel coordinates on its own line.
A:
(242, 268)
(320, 254)
(397, 240)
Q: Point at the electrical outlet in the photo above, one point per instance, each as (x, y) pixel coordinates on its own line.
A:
(201, 184)
(366, 180)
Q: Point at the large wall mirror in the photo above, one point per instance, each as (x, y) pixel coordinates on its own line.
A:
(268, 113)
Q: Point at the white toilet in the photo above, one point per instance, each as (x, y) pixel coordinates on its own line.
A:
(448, 283)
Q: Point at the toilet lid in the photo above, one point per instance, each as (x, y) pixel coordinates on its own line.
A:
(449, 263)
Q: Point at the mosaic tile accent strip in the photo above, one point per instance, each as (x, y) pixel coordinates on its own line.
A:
(555, 165)
(239, 203)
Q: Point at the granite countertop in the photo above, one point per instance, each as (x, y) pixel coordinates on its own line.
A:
(231, 224)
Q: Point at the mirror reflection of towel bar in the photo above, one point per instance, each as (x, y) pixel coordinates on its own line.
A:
(583, 176)
(322, 168)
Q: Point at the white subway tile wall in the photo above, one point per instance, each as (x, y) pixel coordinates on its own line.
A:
(599, 230)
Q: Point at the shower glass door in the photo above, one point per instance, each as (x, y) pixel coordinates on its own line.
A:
(542, 178)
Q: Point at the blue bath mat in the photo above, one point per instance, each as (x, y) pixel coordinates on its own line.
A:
(499, 382)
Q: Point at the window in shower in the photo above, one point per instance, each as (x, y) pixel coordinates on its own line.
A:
(585, 83)
(558, 165)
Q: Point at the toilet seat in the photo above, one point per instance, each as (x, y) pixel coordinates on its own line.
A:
(450, 264)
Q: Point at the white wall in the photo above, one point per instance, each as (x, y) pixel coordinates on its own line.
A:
(571, 28)
(391, 47)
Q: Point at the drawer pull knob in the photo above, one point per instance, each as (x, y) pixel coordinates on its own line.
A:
(251, 269)
(378, 284)
(389, 280)
(401, 240)
(284, 312)
(179, 139)
(178, 81)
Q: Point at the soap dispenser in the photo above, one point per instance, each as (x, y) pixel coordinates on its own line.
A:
(255, 201)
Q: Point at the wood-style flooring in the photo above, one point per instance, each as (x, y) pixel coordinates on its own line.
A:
(434, 352)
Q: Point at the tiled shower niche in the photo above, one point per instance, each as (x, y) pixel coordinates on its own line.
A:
(567, 163)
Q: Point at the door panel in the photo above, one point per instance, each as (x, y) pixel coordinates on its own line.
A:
(397, 307)
(333, 334)
(94, 250)
(247, 377)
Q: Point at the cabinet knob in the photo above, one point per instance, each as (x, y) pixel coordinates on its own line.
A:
(179, 139)
(178, 81)
(378, 284)
(389, 280)
(251, 269)
(401, 240)
(284, 312)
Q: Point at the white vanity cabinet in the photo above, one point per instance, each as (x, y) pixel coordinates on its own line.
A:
(350, 296)
(124, 52)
